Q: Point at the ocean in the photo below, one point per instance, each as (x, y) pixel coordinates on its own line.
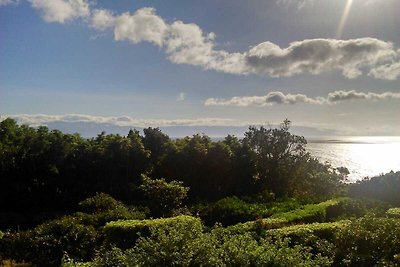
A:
(362, 156)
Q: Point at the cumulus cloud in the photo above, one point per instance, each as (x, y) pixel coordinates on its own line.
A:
(143, 25)
(61, 11)
(102, 19)
(8, 2)
(279, 98)
(44, 119)
(320, 55)
(184, 43)
(270, 99)
(387, 71)
(340, 95)
(187, 43)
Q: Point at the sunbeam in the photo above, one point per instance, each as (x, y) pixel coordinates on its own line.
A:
(343, 20)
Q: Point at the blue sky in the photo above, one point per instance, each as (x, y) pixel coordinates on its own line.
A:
(203, 63)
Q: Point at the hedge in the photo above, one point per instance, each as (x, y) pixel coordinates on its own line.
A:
(124, 233)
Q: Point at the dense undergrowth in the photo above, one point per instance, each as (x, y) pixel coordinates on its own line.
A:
(152, 201)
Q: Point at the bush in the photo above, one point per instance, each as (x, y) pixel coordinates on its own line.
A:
(47, 243)
(393, 213)
(231, 210)
(102, 208)
(163, 198)
(124, 233)
(385, 188)
(369, 241)
(98, 203)
(355, 207)
(307, 214)
(322, 230)
(178, 245)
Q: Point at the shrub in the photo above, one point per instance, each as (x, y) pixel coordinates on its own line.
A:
(124, 233)
(46, 244)
(231, 210)
(178, 245)
(318, 237)
(322, 230)
(354, 207)
(98, 203)
(308, 213)
(163, 198)
(393, 213)
(102, 208)
(369, 241)
(385, 188)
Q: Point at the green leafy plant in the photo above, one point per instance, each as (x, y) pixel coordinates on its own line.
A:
(163, 197)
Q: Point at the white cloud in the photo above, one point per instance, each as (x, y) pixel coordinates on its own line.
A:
(43, 119)
(61, 11)
(143, 25)
(387, 71)
(8, 2)
(315, 56)
(340, 95)
(186, 43)
(102, 19)
(279, 98)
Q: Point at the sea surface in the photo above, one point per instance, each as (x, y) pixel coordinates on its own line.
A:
(362, 156)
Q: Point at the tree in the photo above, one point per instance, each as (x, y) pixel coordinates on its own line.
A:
(162, 197)
(277, 156)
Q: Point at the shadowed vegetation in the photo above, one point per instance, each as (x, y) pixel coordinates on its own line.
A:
(148, 200)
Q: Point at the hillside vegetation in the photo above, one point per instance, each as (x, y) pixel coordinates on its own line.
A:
(148, 200)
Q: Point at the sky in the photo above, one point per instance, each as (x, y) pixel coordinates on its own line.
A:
(329, 66)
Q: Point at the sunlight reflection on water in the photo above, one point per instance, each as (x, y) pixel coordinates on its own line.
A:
(363, 156)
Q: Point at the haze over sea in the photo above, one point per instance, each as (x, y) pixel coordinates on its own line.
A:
(364, 156)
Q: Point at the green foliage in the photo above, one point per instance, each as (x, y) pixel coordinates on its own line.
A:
(308, 213)
(384, 187)
(48, 171)
(354, 208)
(46, 244)
(278, 156)
(323, 230)
(369, 241)
(162, 197)
(99, 202)
(298, 214)
(124, 233)
(393, 213)
(67, 262)
(102, 208)
(232, 210)
(170, 246)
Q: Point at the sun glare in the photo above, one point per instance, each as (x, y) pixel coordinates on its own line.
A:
(344, 18)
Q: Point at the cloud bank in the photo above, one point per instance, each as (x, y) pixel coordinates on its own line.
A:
(187, 43)
(279, 98)
(123, 121)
